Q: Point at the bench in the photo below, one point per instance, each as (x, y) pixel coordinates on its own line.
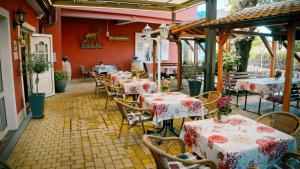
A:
(230, 79)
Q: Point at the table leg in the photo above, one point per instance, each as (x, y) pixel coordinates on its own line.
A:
(246, 94)
(259, 106)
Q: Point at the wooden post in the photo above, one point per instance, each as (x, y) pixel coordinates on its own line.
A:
(196, 52)
(289, 68)
(179, 64)
(154, 61)
(220, 63)
(227, 48)
(273, 58)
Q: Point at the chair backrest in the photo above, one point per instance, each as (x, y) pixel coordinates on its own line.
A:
(283, 121)
(123, 108)
(159, 156)
(83, 69)
(211, 102)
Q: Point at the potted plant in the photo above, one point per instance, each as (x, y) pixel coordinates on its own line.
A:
(36, 64)
(224, 108)
(61, 79)
(165, 87)
(191, 72)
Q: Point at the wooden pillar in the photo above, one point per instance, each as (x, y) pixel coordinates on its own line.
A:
(273, 58)
(210, 47)
(154, 61)
(196, 52)
(289, 68)
(227, 48)
(220, 63)
(179, 64)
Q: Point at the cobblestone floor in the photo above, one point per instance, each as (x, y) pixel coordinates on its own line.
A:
(77, 132)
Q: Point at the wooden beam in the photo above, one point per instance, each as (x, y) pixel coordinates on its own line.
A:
(227, 47)
(200, 45)
(154, 61)
(179, 64)
(273, 58)
(218, 41)
(295, 54)
(267, 45)
(252, 33)
(189, 44)
(289, 68)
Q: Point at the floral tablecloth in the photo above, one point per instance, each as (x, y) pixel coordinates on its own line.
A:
(105, 68)
(171, 105)
(263, 86)
(115, 76)
(137, 86)
(237, 143)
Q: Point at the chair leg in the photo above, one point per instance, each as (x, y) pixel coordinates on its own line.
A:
(273, 106)
(182, 123)
(121, 128)
(107, 98)
(237, 98)
(143, 128)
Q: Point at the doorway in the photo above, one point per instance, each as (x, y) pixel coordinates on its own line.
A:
(8, 121)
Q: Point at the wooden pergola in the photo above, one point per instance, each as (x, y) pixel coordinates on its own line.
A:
(281, 18)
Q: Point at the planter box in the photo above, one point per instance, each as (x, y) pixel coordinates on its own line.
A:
(37, 102)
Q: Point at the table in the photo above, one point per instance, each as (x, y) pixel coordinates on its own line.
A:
(105, 68)
(237, 143)
(262, 86)
(171, 105)
(115, 76)
(137, 86)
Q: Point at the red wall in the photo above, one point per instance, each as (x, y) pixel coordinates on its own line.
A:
(12, 6)
(55, 30)
(111, 53)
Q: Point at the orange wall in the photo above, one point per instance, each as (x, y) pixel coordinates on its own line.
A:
(12, 6)
(112, 52)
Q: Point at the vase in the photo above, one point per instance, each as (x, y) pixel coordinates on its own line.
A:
(134, 77)
(224, 118)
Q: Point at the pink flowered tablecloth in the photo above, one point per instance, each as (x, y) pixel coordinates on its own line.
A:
(171, 105)
(237, 143)
(138, 86)
(115, 76)
(263, 86)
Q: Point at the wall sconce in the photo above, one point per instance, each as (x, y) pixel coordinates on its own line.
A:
(19, 17)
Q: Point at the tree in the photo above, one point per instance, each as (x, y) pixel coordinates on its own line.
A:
(243, 43)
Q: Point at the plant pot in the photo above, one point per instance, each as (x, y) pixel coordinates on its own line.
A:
(60, 86)
(37, 102)
(194, 86)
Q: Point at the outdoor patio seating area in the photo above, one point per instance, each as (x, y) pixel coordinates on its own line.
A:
(77, 132)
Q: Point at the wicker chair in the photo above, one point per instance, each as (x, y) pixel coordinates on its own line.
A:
(112, 91)
(283, 121)
(132, 115)
(85, 72)
(164, 160)
(209, 100)
(142, 75)
(99, 85)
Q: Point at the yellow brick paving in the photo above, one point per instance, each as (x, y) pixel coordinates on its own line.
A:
(77, 133)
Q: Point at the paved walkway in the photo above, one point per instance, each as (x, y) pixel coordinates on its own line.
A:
(77, 132)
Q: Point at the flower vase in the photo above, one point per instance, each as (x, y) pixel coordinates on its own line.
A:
(134, 77)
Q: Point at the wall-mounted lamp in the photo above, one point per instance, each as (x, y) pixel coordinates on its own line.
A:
(19, 17)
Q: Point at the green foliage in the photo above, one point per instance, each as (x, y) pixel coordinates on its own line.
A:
(278, 74)
(35, 64)
(230, 62)
(62, 75)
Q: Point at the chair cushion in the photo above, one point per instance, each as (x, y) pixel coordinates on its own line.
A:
(133, 117)
(186, 156)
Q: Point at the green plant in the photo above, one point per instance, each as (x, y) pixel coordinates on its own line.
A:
(61, 75)
(35, 64)
(230, 62)
(165, 87)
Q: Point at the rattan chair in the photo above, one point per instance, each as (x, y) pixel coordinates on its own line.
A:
(99, 85)
(132, 115)
(85, 72)
(142, 75)
(164, 160)
(112, 91)
(4, 165)
(209, 100)
(283, 121)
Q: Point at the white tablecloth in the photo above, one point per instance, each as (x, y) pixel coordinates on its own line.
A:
(105, 68)
(237, 143)
(263, 86)
(171, 105)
